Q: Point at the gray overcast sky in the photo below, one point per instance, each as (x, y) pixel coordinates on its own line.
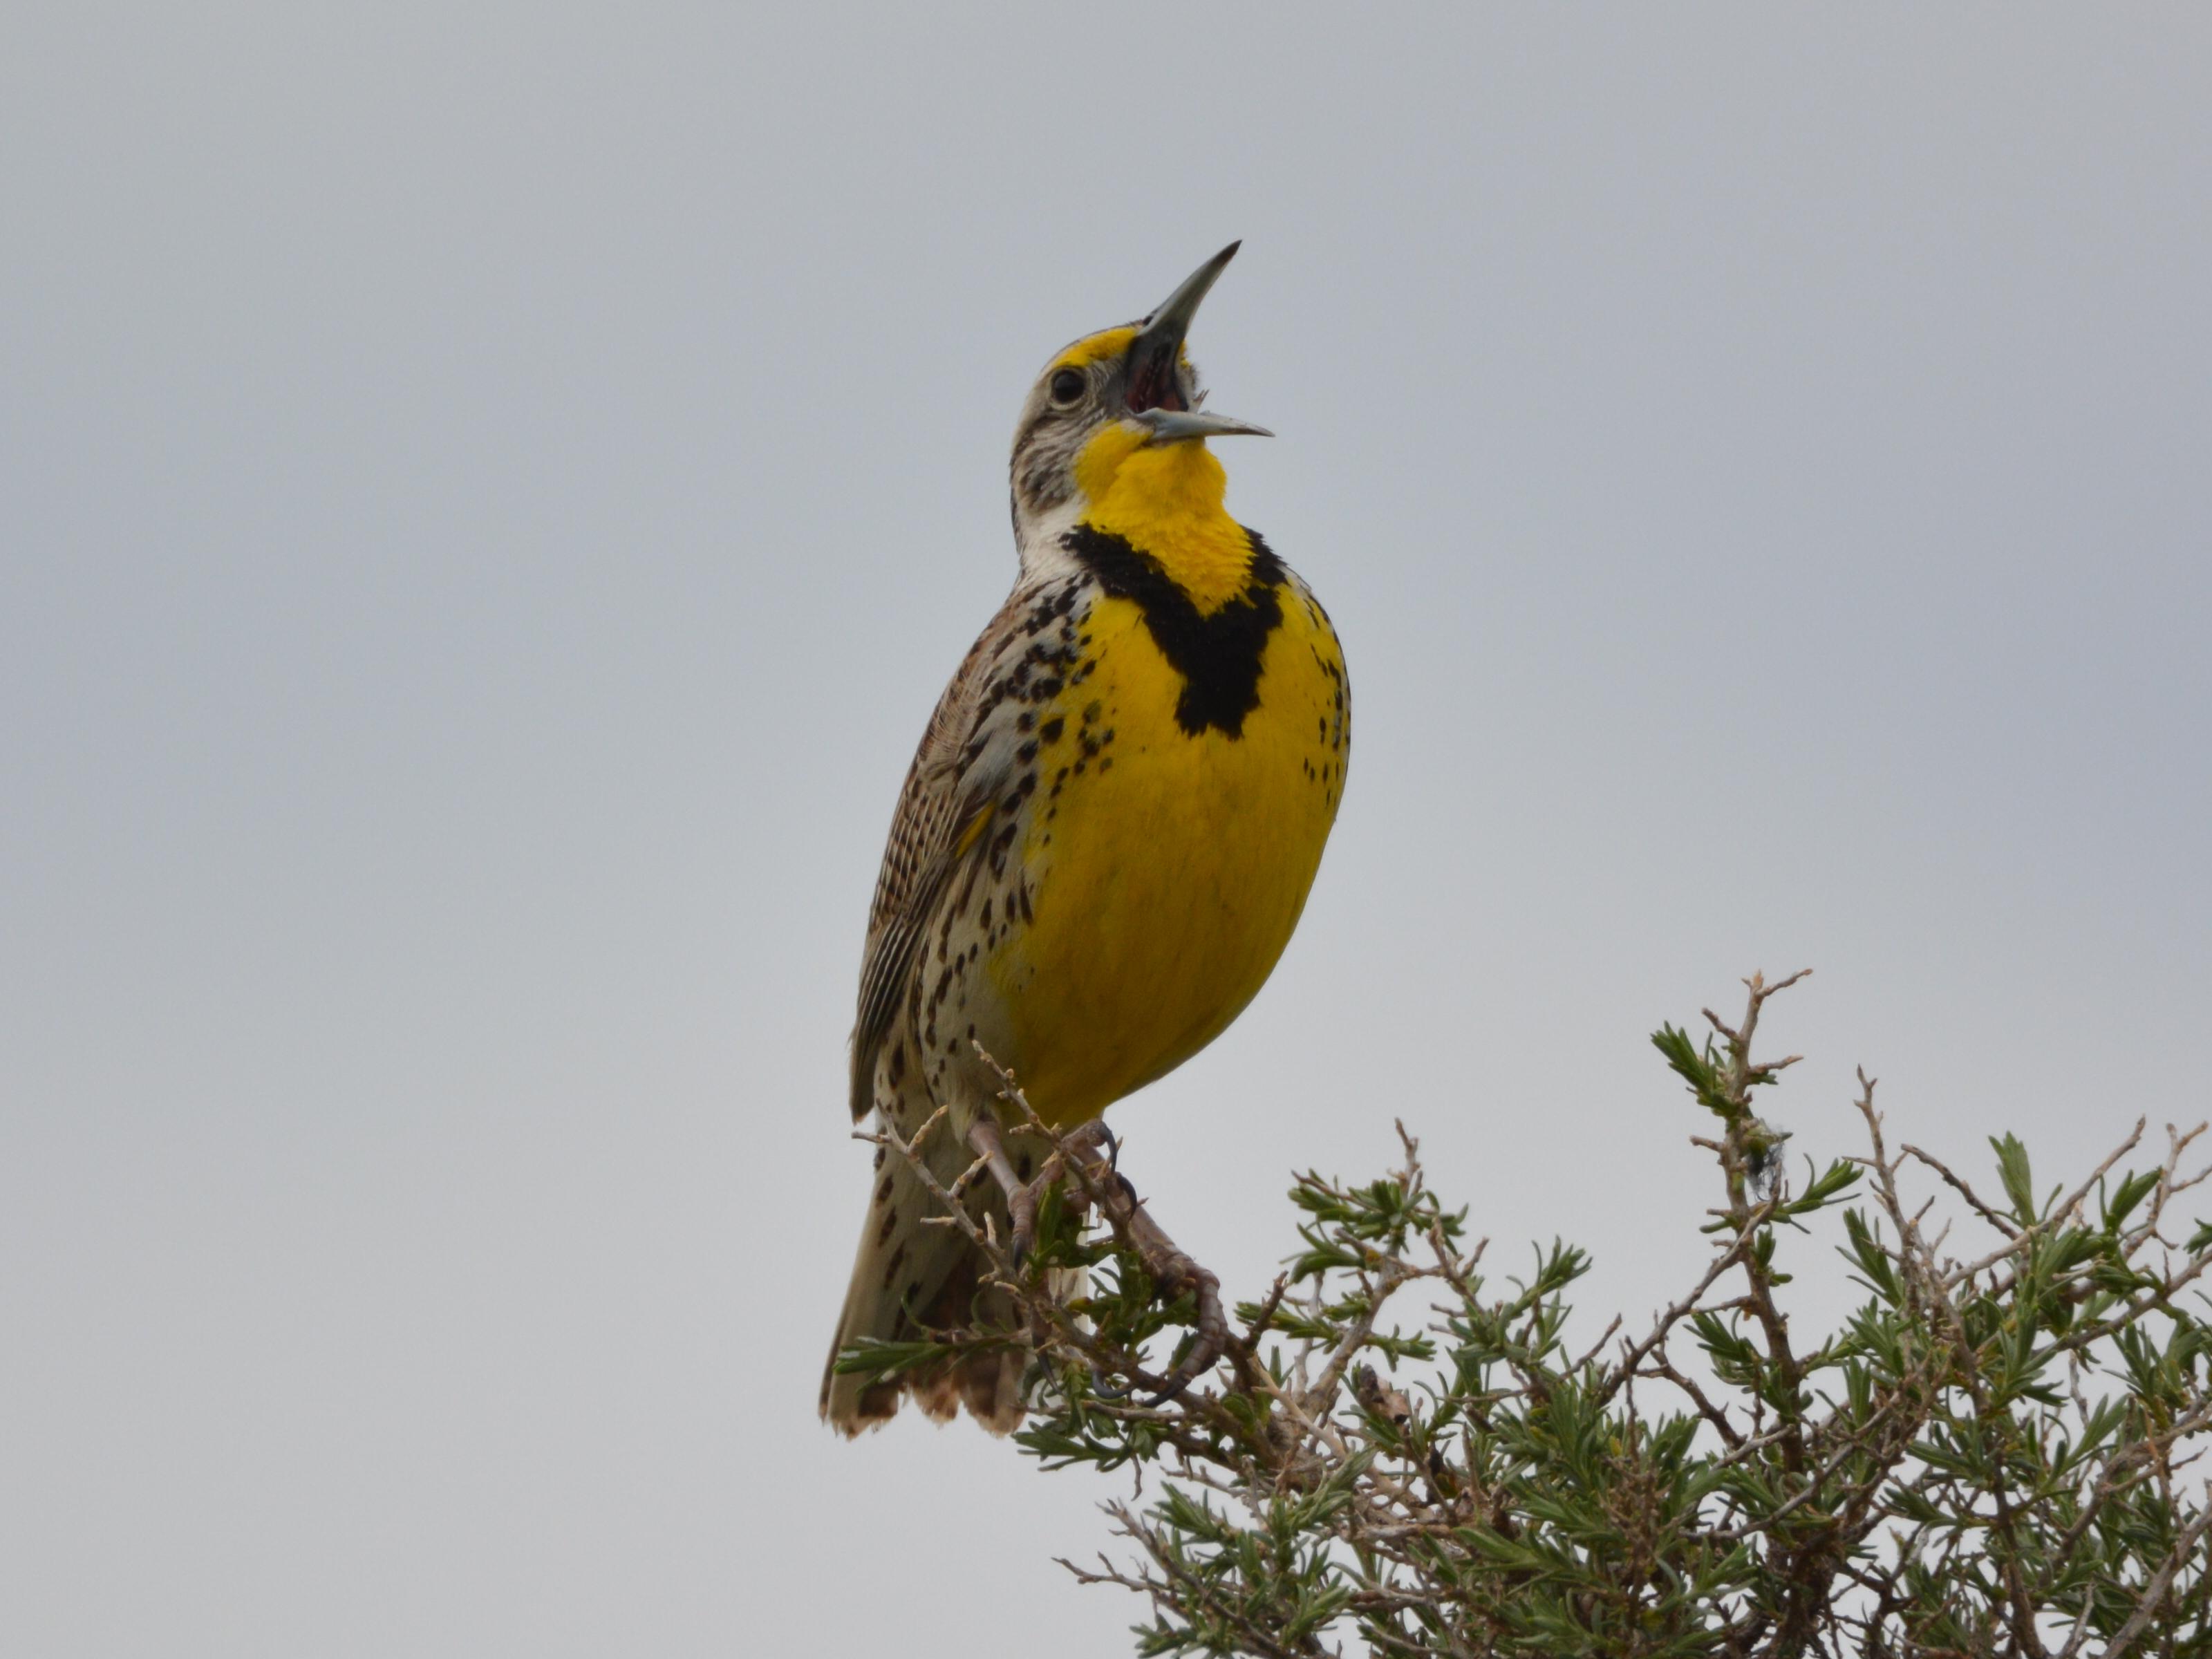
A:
(490, 496)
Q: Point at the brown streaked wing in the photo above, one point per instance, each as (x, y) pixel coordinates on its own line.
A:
(949, 796)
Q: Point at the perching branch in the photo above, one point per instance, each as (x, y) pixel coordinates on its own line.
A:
(1994, 1455)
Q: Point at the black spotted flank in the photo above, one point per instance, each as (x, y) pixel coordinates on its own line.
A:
(1218, 655)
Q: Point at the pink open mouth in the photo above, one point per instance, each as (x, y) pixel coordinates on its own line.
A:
(1153, 384)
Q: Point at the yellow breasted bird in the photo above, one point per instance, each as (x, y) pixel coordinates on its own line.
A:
(1107, 834)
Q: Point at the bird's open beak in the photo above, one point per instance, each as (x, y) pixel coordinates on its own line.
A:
(1155, 389)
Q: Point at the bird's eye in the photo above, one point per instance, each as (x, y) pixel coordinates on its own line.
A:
(1067, 387)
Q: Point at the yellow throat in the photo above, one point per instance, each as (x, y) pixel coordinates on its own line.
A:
(1165, 501)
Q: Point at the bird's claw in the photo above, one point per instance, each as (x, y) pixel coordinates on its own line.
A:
(1022, 1214)
(1171, 1269)
(1109, 1393)
(1025, 1197)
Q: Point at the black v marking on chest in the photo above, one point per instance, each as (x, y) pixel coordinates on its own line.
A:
(1218, 655)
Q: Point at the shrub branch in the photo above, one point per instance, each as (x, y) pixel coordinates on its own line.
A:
(1994, 1454)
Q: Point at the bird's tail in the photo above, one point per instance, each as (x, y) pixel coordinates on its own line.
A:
(909, 1279)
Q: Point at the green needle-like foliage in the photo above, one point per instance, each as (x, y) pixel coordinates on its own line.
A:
(1998, 1452)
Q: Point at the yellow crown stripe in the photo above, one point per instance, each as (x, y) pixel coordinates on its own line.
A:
(1106, 344)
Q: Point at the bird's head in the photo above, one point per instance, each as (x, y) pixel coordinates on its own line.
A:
(1119, 411)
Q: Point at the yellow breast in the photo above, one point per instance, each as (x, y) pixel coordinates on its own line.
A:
(1183, 802)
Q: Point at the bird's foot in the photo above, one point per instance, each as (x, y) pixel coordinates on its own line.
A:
(1174, 1271)
(1079, 1148)
(1093, 1154)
